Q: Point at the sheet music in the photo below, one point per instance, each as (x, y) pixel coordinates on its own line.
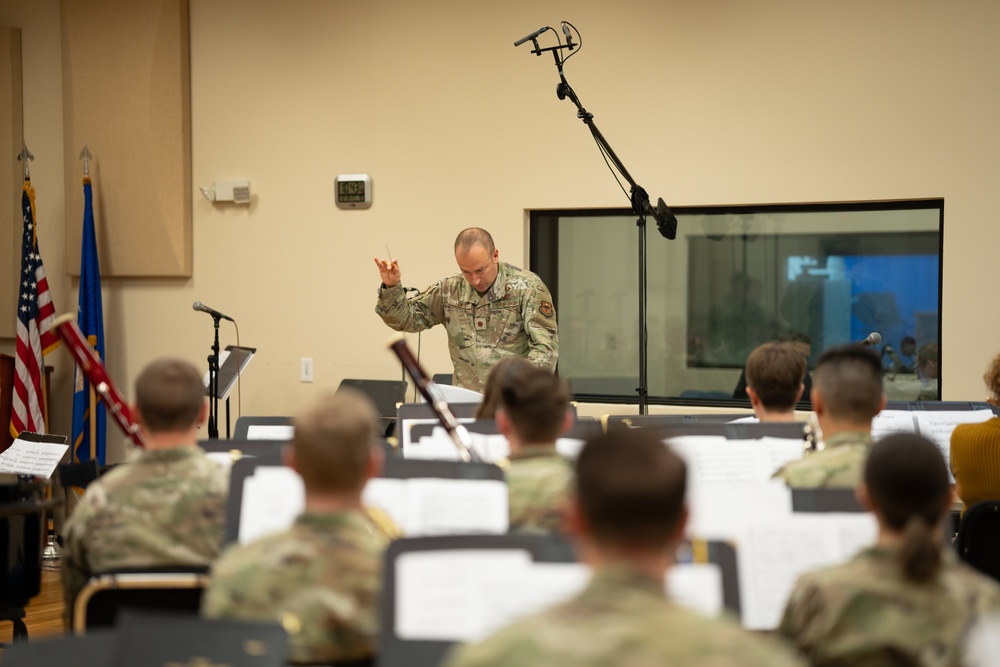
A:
(439, 593)
(696, 586)
(412, 450)
(569, 447)
(772, 555)
(982, 645)
(721, 511)
(24, 457)
(455, 506)
(270, 432)
(890, 422)
(272, 497)
(517, 592)
(938, 425)
(716, 460)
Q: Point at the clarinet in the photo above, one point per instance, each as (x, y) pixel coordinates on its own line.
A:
(90, 365)
(432, 394)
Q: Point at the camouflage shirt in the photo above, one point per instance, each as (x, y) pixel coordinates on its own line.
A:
(320, 578)
(514, 317)
(865, 613)
(840, 465)
(538, 481)
(162, 508)
(622, 618)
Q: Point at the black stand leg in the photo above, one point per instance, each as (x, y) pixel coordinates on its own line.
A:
(213, 386)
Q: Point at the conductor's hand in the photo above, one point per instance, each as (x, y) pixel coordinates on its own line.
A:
(389, 270)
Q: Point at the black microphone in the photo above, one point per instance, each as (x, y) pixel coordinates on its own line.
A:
(198, 305)
(874, 338)
(531, 36)
(569, 35)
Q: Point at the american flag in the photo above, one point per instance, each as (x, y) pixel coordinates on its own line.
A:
(35, 335)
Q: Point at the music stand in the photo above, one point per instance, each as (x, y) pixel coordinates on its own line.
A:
(234, 360)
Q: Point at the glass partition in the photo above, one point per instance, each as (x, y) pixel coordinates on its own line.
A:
(737, 277)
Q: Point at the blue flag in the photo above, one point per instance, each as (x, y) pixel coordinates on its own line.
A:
(90, 318)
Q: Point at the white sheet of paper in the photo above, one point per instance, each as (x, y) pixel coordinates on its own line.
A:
(438, 593)
(982, 645)
(455, 506)
(716, 460)
(514, 593)
(270, 432)
(406, 442)
(721, 511)
(937, 426)
(696, 586)
(389, 495)
(32, 458)
(772, 554)
(569, 447)
(272, 497)
(889, 422)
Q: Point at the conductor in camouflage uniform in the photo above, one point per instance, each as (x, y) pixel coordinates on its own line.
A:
(907, 600)
(846, 396)
(165, 507)
(627, 518)
(320, 578)
(491, 310)
(533, 409)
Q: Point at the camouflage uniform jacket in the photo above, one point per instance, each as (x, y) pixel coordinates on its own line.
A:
(514, 317)
(538, 481)
(865, 613)
(163, 508)
(320, 579)
(840, 465)
(622, 618)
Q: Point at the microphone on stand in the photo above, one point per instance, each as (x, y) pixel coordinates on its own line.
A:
(874, 338)
(198, 305)
(569, 35)
(531, 36)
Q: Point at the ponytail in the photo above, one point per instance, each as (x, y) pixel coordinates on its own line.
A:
(920, 553)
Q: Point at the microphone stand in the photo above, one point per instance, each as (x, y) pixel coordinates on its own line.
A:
(213, 384)
(665, 220)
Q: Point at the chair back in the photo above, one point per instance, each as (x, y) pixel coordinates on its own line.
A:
(978, 541)
(101, 600)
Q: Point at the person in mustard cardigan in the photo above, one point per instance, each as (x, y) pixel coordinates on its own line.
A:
(975, 449)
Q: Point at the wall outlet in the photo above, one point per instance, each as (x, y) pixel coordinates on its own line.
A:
(306, 366)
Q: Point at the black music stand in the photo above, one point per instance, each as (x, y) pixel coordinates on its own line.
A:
(236, 359)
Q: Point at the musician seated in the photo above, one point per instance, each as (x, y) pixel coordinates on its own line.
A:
(164, 507)
(320, 578)
(532, 410)
(846, 396)
(627, 518)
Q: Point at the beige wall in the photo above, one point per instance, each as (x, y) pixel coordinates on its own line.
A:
(706, 103)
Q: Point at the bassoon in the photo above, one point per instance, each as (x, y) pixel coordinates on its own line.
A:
(435, 399)
(90, 365)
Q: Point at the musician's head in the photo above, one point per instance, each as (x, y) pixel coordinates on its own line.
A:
(775, 373)
(629, 495)
(333, 448)
(847, 388)
(170, 397)
(477, 257)
(499, 375)
(906, 485)
(532, 405)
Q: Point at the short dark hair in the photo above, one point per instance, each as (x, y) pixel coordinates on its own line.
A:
(333, 441)
(992, 378)
(775, 372)
(169, 395)
(535, 401)
(907, 481)
(499, 375)
(630, 488)
(848, 379)
(474, 236)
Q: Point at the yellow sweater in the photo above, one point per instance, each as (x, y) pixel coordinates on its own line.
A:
(975, 461)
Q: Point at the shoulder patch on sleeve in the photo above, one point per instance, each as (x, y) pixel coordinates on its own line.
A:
(546, 309)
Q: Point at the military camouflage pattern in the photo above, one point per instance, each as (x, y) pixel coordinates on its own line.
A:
(865, 613)
(538, 481)
(839, 465)
(622, 619)
(162, 508)
(321, 579)
(514, 317)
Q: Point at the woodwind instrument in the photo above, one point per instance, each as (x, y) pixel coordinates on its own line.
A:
(813, 436)
(432, 394)
(92, 368)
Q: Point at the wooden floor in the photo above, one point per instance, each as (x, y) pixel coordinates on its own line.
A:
(45, 612)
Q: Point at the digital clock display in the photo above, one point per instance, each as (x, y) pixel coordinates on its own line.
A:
(351, 191)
